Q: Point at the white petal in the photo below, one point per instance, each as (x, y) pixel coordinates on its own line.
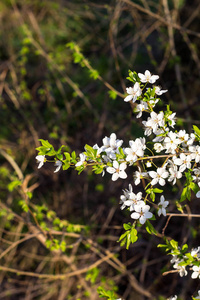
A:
(135, 215)
(154, 181)
(128, 98)
(115, 164)
(153, 78)
(162, 181)
(122, 166)
(194, 275)
(122, 175)
(115, 176)
(142, 219)
(111, 170)
(152, 174)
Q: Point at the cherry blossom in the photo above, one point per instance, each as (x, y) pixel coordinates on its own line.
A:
(158, 90)
(181, 269)
(162, 205)
(136, 149)
(143, 106)
(142, 213)
(147, 77)
(134, 92)
(196, 252)
(184, 161)
(195, 153)
(111, 146)
(117, 170)
(138, 175)
(171, 142)
(155, 120)
(133, 200)
(174, 174)
(41, 160)
(196, 272)
(82, 160)
(58, 164)
(172, 120)
(159, 176)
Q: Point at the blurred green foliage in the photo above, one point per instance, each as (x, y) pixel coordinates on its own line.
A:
(63, 66)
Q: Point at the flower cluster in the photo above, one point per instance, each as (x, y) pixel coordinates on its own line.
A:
(180, 262)
(178, 149)
(177, 153)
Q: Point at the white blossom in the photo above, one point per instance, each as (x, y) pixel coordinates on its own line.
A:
(81, 161)
(148, 164)
(183, 136)
(58, 164)
(99, 149)
(171, 142)
(181, 269)
(134, 92)
(158, 147)
(40, 159)
(155, 120)
(172, 120)
(117, 170)
(142, 213)
(158, 90)
(125, 196)
(174, 174)
(147, 77)
(184, 161)
(159, 176)
(111, 146)
(195, 153)
(196, 252)
(196, 272)
(138, 175)
(136, 149)
(162, 206)
(148, 129)
(133, 200)
(140, 108)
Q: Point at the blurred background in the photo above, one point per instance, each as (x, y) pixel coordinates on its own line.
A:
(65, 223)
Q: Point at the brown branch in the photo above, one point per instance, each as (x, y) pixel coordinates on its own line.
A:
(161, 19)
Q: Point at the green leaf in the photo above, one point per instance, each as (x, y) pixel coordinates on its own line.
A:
(94, 74)
(149, 228)
(91, 153)
(12, 185)
(194, 187)
(158, 191)
(133, 235)
(127, 226)
(112, 94)
(184, 248)
(67, 156)
(45, 143)
(133, 76)
(197, 131)
(186, 194)
(174, 244)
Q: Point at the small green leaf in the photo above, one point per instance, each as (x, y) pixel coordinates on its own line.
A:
(197, 130)
(112, 94)
(149, 228)
(12, 185)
